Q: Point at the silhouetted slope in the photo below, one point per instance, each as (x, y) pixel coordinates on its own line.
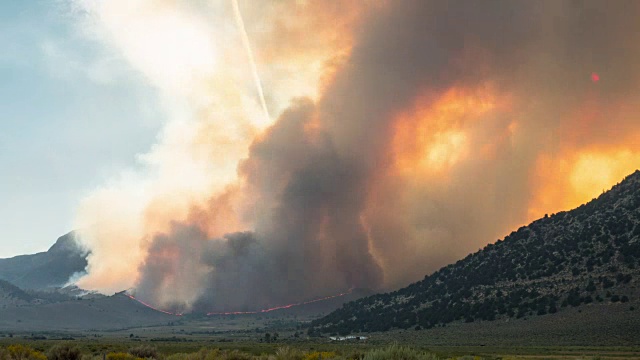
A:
(11, 295)
(112, 312)
(588, 255)
(52, 268)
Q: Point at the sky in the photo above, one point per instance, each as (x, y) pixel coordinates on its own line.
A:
(234, 155)
(70, 113)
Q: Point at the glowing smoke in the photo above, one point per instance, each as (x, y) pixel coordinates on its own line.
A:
(408, 134)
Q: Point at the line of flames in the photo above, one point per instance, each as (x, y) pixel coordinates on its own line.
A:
(150, 306)
(262, 311)
(281, 307)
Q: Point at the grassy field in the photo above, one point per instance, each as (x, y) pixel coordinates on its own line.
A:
(93, 349)
(606, 332)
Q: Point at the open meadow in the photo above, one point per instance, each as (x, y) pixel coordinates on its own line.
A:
(279, 336)
(214, 349)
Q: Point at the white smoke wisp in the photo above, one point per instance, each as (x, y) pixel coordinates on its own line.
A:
(191, 55)
(252, 62)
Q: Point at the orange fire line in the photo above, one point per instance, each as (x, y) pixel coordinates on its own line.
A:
(282, 307)
(149, 306)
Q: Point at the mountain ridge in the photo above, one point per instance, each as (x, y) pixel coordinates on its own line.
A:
(45, 270)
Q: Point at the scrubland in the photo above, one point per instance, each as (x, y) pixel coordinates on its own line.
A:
(101, 350)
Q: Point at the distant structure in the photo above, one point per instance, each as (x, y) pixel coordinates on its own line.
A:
(346, 338)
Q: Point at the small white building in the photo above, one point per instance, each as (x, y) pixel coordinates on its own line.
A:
(345, 338)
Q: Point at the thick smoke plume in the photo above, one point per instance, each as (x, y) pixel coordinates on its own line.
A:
(408, 134)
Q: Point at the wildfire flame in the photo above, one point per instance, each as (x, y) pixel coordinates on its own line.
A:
(151, 306)
(283, 306)
(433, 136)
(262, 311)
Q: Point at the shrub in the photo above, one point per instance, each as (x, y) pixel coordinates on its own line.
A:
(396, 352)
(203, 354)
(64, 352)
(287, 353)
(144, 352)
(265, 357)
(316, 355)
(208, 354)
(120, 356)
(91, 357)
(22, 352)
(234, 355)
(356, 355)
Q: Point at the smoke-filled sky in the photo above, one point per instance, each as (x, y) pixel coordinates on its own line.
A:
(301, 148)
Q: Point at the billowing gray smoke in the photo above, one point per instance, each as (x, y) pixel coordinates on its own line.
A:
(309, 240)
(328, 209)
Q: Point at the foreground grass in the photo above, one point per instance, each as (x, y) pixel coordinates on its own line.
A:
(71, 352)
(83, 350)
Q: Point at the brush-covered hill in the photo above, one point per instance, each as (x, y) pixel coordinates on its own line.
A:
(11, 295)
(45, 270)
(583, 257)
(101, 313)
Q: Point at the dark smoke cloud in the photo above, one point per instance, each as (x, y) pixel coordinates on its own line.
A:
(329, 213)
(308, 238)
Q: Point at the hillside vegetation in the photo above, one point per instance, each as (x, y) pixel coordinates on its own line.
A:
(11, 295)
(589, 255)
(107, 312)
